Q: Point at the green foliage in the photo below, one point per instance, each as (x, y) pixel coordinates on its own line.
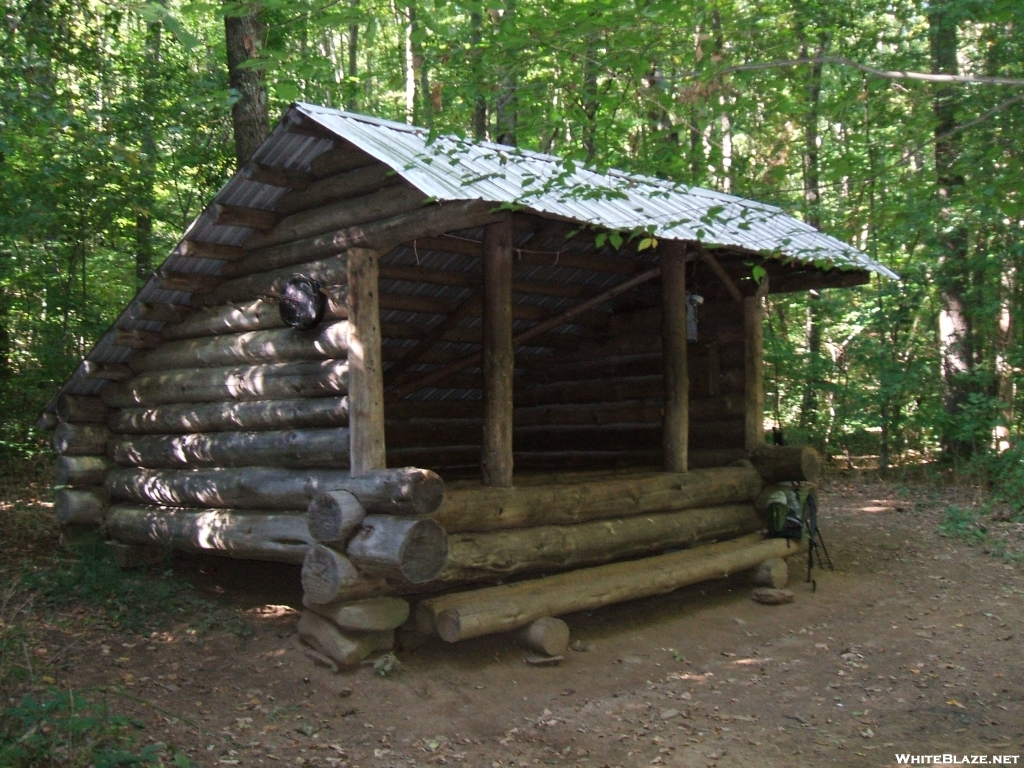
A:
(61, 728)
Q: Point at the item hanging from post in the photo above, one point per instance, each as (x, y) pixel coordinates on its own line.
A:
(302, 302)
(693, 301)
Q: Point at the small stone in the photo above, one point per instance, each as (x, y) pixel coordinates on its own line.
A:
(769, 596)
(668, 714)
(378, 614)
(542, 661)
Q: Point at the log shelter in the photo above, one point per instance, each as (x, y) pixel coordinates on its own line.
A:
(510, 367)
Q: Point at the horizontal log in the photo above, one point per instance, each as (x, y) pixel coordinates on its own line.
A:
(339, 160)
(80, 507)
(162, 313)
(420, 274)
(330, 271)
(195, 249)
(257, 315)
(818, 279)
(382, 235)
(105, 371)
(780, 463)
(597, 414)
(342, 185)
(80, 439)
(243, 534)
(373, 615)
(81, 409)
(593, 391)
(137, 339)
(190, 282)
(247, 416)
(326, 572)
(490, 509)
(412, 549)
(401, 491)
(295, 448)
(277, 176)
(80, 471)
(326, 341)
(329, 217)
(464, 615)
(468, 456)
(250, 382)
(470, 335)
(549, 548)
(259, 219)
(569, 258)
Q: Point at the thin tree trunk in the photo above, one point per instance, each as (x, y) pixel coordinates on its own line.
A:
(144, 210)
(410, 66)
(352, 76)
(507, 106)
(952, 275)
(249, 115)
(479, 99)
(590, 101)
(1005, 333)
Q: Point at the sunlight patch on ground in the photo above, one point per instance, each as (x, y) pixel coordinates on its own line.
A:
(271, 611)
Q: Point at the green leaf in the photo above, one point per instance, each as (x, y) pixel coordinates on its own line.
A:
(616, 240)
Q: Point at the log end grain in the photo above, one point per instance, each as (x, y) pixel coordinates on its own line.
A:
(325, 573)
(772, 573)
(547, 635)
(782, 463)
(86, 506)
(334, 517)
(412, 549)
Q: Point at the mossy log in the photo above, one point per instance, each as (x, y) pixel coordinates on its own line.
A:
(243, 534)
(485, 611)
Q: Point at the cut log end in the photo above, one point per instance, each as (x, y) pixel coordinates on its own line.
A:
(325, 573)
(781, 463)
(80, 507)
(772, 573)
(411, 549)
(334, 517)
(547, 635)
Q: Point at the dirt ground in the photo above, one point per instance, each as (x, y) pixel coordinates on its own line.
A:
(912, 646)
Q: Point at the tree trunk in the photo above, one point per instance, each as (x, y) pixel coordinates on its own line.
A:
(366, 368)
(1005, 342)
(506, 104)
(144, 251)
(676, 423)
(249, 115)
(953, 273)
(498, 356)
(352, 75)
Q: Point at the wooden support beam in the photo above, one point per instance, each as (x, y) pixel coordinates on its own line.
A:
(366, 370)
(195, 249)
(278, 176)
(338, 187)
(818, 279)
(498, 355)
(753, 365)
(190, 282)
(105, 371)
(236, 216)
(339, 160)
(526, 255)
(719, 271)
(675, 435)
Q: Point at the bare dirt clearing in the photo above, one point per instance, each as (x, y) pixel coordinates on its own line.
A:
(912, 646)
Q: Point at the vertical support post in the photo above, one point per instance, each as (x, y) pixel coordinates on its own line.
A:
(676, 426)
(498, 355)
(753, 373)
(365, 367)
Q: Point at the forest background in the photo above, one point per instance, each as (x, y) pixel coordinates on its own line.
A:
(897, 126)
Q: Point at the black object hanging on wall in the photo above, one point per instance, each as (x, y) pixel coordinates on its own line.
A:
(302, 302)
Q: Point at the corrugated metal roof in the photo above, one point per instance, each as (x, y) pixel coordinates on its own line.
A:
(451, 168)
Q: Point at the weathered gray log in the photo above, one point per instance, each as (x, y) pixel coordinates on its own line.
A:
(241, 317)
(377, 614)
(338, 187)
(162, 313)
(412, 549)
(781, 463)
(497, 355)
(325, 573)
(105, 371)
(346, 648)
(80, 439)
(339, 160)
(753, 362)
(499, 609)
(772, 573)
(329, 271)
(490, 509)
(243, 534)
(80, 507)
(326, 341)
(473, 556)
(366, 367)
(547, 635)
(334, 517)
(375, 206)
(382, 235)
(250, 415)
(81, 409)
(294, 448)
(404, 491)
(247, 382)
(47, 420)
(80, 471)
(676, 432)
